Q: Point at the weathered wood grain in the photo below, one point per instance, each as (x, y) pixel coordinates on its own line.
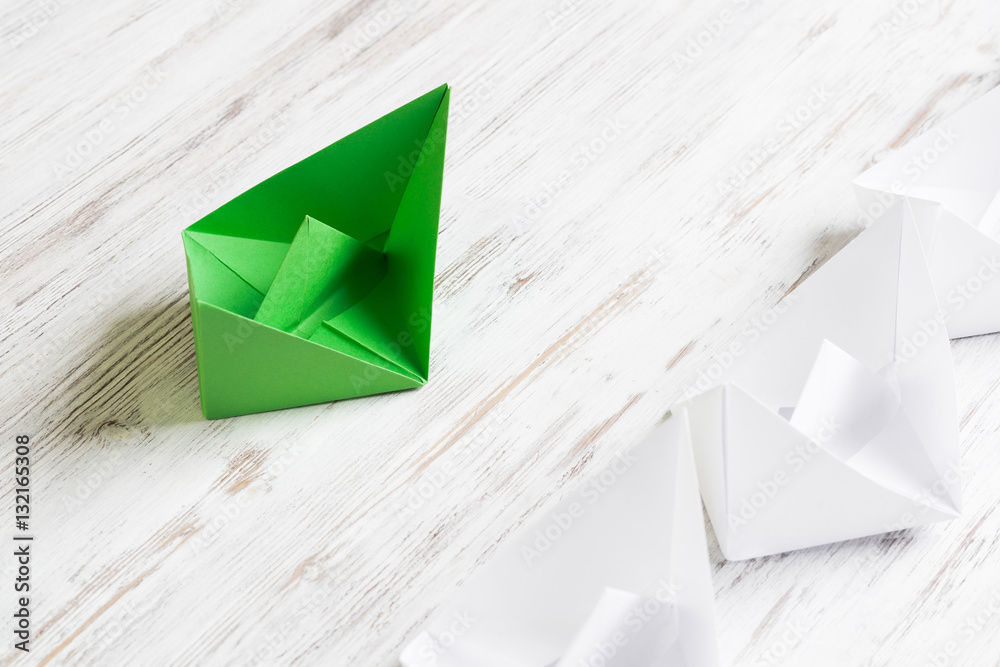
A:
(599, 247)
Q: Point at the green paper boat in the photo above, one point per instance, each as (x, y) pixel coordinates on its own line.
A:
(316, 285)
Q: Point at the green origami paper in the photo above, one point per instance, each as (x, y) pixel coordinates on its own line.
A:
(316, 285)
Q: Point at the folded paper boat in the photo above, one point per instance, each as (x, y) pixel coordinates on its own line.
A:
(840, 421)
(955, 164)
(316, 284)
(616, 574)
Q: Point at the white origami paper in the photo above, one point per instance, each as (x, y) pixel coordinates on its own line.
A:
(617, 575)
(840, 421)
(956, 164)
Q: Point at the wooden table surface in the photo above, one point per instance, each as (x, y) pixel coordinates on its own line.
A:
(628, 185)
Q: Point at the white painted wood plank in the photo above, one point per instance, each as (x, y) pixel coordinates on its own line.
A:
(284, 538)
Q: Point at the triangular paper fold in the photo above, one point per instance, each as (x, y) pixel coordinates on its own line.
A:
(320, 278)
(617, 636)
(617, 572)
(840, 421)
(956, 165)
(324, 273)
